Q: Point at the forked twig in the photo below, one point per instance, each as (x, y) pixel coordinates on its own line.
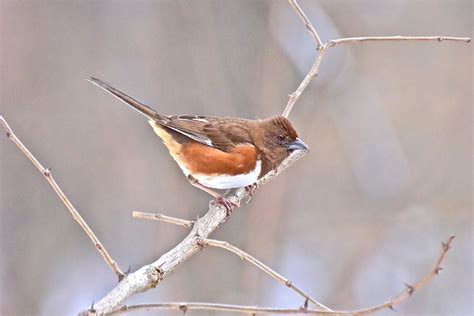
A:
(46, 172)
(322, 47)
(223, 244)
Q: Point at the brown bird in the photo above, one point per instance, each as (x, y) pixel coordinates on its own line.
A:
(219, 152)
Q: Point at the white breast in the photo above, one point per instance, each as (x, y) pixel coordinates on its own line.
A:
(229, 182)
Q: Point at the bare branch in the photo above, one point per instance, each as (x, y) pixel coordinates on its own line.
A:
(150, 275)
(46, 172)
(185, 306)
(353, 40)
(163, 218)
(313, 72)
(307, 22)
(245, 256)
(410, 289)
(215, 307)
(321, 49)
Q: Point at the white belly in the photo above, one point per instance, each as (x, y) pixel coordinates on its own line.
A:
(229, 182)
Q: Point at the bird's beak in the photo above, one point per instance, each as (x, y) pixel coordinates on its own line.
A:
(297, 145)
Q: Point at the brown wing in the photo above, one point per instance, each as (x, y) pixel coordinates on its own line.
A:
(220, 133)
(217, 132)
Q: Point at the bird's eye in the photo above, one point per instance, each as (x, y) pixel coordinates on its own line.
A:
(281, 138)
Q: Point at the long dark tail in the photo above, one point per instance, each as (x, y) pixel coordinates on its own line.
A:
(140, 107)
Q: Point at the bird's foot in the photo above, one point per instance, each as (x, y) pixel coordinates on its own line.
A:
(250, 189)
(229, 205)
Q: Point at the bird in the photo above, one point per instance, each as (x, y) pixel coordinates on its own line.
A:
(219, 153)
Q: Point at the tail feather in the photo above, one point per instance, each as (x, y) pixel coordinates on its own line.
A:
(140, 107)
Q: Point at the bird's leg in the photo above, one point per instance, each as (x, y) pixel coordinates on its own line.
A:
(195, 182)
(250, 189)
(218, 198)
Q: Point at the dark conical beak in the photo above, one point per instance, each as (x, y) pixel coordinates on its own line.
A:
(297, 145)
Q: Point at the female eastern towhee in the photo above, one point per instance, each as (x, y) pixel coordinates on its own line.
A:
(220, 152)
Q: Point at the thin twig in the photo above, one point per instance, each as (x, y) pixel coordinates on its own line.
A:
(320, 48)
(410, 289)
(307, 22)
(46, 172)
(313, 72)
(245, 256)
(215, 307)
(163, 218)
(407, 293)
(353, 40)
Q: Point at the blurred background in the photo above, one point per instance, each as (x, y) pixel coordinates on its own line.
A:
(389, 175)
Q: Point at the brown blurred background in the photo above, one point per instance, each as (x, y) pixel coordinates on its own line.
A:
(389, 175)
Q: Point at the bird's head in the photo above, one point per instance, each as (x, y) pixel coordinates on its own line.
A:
(280, 138)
